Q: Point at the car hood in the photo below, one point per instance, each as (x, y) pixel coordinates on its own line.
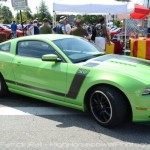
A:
(131, 66)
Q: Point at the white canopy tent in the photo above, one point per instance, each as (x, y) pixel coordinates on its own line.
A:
(95, 7)
(91, 7)
(88, 7)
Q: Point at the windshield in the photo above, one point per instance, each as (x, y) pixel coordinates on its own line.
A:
(77, 49)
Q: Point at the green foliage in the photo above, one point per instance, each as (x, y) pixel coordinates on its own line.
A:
(88, 19)
(6, 21)
(43, 12)
(5, 14)
(26, 15)
(116, 23)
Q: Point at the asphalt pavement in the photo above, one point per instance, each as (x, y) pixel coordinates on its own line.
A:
(27, 123)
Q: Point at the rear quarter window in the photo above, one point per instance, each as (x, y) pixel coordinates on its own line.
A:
(5, 47)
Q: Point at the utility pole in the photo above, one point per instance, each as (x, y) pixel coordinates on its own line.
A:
(148, 21)
(37, 10)
(147, 3)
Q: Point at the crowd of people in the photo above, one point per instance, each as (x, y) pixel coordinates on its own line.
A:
(99, 33)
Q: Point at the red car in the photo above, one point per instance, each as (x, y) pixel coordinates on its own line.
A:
(114, 32)
(7, 30)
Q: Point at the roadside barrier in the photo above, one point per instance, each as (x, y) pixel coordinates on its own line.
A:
(140, 48)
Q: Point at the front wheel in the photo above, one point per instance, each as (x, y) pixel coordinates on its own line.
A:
(107, 105)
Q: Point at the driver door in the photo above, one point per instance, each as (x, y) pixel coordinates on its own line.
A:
(34, 76)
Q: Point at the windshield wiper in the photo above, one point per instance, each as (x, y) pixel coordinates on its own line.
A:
(100, 54)
(83, 60)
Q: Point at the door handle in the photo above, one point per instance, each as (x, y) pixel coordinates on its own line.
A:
(18, 63)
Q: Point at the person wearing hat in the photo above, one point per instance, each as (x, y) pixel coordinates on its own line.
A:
(34, 29)
(58, 28)
(45, 28)
(79, 30)
(66, 28)
(38, 23)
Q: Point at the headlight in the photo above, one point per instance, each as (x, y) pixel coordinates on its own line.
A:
(146, 91)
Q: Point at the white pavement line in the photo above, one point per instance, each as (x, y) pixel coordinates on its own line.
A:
(37, 111)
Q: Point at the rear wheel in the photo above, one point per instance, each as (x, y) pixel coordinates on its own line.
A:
(11, 36)
(3, 87)
(107, 105)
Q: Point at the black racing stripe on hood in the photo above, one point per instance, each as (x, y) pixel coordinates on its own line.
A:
(124, 58)
(91, 64)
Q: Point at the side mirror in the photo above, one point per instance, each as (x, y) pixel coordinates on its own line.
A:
(50, 57)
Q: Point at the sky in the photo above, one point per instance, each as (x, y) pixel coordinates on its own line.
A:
(34, 4)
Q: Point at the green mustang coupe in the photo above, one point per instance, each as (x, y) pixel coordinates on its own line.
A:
(70, 71)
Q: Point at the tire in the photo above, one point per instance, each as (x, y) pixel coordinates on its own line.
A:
(11, 36)
(108, 106)
(3, 87)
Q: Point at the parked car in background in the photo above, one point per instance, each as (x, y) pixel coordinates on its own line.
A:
(115, 31)
(7, 30)
(7, 25)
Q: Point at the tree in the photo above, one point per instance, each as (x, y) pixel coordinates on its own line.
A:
(43, 12)
(6, 14)
(26, 15)
(88, 19)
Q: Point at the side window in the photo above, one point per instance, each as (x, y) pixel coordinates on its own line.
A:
(5, 47)
(34, 49)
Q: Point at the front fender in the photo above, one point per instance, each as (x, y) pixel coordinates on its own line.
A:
(124, 83)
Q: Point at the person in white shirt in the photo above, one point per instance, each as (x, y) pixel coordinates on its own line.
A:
(66, 28)
(34, 28)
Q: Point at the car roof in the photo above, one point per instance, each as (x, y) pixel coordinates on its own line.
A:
(47, 36)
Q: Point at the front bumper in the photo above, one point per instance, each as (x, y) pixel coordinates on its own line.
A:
(140, 107)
